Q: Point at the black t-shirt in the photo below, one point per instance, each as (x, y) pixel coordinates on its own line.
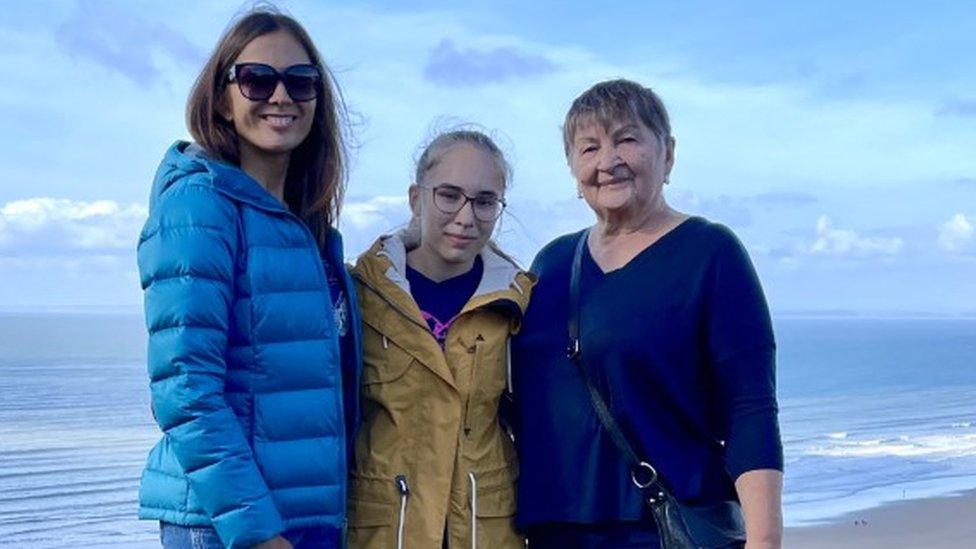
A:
(440, 302)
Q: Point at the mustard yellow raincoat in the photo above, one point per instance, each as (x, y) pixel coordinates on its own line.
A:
(431, 456)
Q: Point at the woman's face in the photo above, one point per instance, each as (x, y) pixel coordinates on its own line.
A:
(622, 168)
(453, 240)
(278, 125)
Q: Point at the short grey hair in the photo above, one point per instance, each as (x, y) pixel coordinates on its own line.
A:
(614, 101)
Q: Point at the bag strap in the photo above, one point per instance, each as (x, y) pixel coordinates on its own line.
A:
(642, 473)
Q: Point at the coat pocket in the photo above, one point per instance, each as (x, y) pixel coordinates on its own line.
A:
(374, 520)
(372, 524)
(383, 360)
(495, 518)
(496, 502)
(368, 514)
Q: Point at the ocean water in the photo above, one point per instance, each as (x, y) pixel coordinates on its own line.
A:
(872, 411)
(75, 428)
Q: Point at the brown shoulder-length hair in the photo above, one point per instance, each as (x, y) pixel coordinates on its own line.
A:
(315, 183)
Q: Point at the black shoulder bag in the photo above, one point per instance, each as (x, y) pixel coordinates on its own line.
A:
(679, 526)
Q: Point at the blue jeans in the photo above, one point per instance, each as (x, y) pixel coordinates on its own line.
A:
(175, 536)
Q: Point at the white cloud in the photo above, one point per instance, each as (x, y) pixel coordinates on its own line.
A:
(364, 219)
(726, 209)
(846, 242)
(362, 213)
(52, 282)
(956, 234)
(62, 227)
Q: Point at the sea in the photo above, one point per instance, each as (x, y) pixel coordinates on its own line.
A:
(872, 411)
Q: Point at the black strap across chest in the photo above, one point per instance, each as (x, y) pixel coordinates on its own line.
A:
(643, 474)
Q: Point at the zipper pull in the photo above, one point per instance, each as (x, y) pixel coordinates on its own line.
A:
(401, 484)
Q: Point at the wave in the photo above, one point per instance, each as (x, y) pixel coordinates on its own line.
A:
(932, 446)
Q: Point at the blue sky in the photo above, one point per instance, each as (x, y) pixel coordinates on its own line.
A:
(836, 138)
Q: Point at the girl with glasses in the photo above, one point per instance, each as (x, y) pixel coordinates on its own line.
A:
(433, 465)
(253, 329)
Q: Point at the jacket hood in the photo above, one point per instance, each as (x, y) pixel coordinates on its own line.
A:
(184, 159)
(384, 267)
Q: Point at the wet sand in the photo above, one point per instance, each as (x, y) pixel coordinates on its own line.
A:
(945, 522)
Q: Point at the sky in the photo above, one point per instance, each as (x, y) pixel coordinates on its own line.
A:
(837, 139)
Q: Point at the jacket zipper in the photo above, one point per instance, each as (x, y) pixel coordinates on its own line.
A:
(324, 279)
(474, 349)
(404, 490)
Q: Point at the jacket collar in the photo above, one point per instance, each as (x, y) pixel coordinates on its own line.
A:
(184, 158)
(382, 270)
(503, 279)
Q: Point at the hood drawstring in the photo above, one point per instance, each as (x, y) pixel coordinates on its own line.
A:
(517, 287)
(404, 490)
(474, 511)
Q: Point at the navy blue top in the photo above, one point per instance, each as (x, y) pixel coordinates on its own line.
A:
(440, 302)
(680, 343)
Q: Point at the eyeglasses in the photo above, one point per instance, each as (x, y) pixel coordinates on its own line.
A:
(450, 199)
(258, 81)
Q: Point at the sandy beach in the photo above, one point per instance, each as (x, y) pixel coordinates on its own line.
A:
(937, 523)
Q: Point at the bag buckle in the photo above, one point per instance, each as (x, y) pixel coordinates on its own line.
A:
(643, 475)
(573, 349)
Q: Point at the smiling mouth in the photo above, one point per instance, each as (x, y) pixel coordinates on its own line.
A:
(279, 121)
(610, 183)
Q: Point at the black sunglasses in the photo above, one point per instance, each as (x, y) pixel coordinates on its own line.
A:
(257, 81)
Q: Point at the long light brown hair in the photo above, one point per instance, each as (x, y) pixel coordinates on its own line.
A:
(315, 183)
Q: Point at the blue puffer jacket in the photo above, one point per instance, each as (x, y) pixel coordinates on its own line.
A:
(243, 358)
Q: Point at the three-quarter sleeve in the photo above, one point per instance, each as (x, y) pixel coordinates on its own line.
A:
(186, 263)
(742, 356)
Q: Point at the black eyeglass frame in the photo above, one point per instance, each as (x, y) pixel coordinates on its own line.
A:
(471, 199)
(233, 77)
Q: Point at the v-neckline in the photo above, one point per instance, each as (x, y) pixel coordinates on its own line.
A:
(645, 251)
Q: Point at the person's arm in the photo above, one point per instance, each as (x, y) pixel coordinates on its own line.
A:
(186, 264)
(742, 352)
(760, 494)
(277, 542)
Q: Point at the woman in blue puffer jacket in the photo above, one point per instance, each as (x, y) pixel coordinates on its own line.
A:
(253, 330)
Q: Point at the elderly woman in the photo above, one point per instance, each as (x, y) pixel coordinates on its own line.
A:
(660, 317)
